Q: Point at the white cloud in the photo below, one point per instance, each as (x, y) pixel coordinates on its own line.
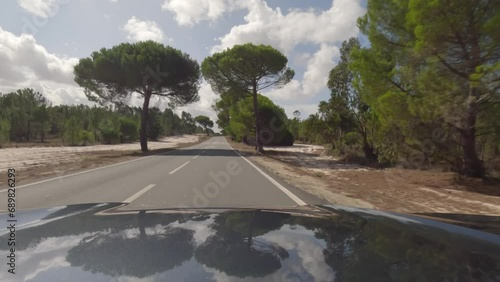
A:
(301, 59)
(304, 109)
(25, 63)
(188, 13)
(138, 30)
(204, 105)
(318, 68)
(315, 76)
(285, 31)
(41, 8)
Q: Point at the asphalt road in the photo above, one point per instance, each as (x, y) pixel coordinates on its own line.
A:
(210, 174)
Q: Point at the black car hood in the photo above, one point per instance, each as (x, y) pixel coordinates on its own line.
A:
(315, 243)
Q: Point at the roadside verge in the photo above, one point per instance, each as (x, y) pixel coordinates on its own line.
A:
(391, 189)
(31, 170)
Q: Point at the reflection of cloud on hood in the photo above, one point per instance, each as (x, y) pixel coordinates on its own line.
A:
(309, 250)
(202, 229)
(132, 233)
(48, 255)
(301, 241)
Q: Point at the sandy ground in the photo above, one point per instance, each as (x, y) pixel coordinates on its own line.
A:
(392, 189)
(22, 158)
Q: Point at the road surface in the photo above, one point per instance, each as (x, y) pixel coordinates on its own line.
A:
(210, 174)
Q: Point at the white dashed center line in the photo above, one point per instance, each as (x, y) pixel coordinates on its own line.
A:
(138, 194)
(175, 170)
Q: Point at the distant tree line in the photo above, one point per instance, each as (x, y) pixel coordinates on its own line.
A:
(28, 116)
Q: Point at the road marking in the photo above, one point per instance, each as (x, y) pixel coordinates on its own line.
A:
(90, 170)
(273, 181)
(81, 172)
(199, 154)
(175, 170)
(138, 194)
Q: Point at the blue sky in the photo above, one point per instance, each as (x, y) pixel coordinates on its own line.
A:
(41, 40)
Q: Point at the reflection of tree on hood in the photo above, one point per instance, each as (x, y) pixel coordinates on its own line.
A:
(79, 219)
(234, 248)
(140, 256)
(375, 248)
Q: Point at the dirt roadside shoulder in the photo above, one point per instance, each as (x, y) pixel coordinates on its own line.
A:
(393, 189)
(298, 178)
(29, 171)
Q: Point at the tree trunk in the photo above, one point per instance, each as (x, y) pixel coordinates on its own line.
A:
(369, 151)
(367, 148)
(473, 166)
(144, 122)
(250, 231)
(258, 146)
(28, 132)
(142, 226)
(206, 130)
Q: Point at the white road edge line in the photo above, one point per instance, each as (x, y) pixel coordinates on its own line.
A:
(85, 171)
(81, 172)
(175, 170)
(196, 157)
(273, 181)
(138, 194)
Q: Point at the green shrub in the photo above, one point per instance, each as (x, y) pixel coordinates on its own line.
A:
(110, 131)
(73, 131)
(4, 131)
(87, 136)
(129, 130)
(351, 138)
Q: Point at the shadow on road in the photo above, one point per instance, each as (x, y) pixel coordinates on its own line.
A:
(187, 152)
(204, 152)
